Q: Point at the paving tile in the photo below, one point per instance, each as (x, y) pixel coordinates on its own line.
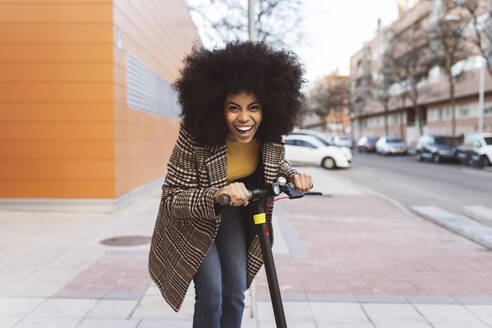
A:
(484, 312)
(9, 322)
(33, 289)
(112, 309)
(459, 325)
(107, 323)
(61, 308)
(290, 324)
(403, 324)
(155, 323)
(392, 312)
(446, 313)
(338, 312)
(156, 307)
(294, 311)
(51, 322)
(18, 307)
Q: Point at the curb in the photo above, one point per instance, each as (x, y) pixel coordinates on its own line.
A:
(458, 224)
(479, 213)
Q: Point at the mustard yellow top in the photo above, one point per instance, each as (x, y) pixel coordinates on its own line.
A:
(242, 159)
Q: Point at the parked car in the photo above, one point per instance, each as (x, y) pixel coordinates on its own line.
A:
(391, 145)
(342, 141)
(476, 149)
(437, 148)
(304, 149)
(367, 144)
(326, 139)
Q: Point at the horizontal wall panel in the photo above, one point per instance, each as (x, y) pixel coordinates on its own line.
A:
(45, 92)
(57, 150)
(56, 72)
(56, 111)
(24, 131)
(42, 33)
(16, 169)
(50, 12)
(35, 188)
(56, 53)
(148, 91)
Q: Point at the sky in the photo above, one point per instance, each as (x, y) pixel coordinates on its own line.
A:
(337, 29)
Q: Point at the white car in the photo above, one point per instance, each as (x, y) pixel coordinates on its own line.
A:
(341, 140)
(391, 145)
(304, 149)
(477, 149)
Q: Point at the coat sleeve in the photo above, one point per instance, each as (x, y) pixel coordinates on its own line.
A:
(182, 197)
(286, 170)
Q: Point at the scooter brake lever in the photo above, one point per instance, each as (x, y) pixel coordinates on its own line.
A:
(292, 192)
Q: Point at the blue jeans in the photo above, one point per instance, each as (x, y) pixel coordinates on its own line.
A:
(220, 281)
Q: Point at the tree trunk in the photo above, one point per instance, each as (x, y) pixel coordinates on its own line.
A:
(453, 107)
(402, 128)
(386, 120)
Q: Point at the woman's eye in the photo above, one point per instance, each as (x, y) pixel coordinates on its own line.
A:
(254, 108)
(233, 108)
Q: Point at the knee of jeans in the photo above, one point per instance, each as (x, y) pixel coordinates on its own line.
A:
(235, 292)
(211, 300)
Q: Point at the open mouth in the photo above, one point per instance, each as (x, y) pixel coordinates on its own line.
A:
(244, 131)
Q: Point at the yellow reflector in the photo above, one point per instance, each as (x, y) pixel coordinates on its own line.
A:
(259, 218)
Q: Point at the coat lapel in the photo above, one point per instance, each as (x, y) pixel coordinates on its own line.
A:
(272, 155)
(216, 165)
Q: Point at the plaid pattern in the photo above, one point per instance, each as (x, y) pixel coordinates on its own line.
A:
(188, 220)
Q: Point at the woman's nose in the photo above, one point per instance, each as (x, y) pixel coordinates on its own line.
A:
(243, 116)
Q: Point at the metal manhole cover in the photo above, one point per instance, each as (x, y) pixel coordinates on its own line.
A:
(126, 241)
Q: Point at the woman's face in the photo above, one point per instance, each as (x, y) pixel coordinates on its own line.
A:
(243, 115)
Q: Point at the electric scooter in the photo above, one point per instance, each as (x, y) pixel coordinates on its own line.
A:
(256, 196)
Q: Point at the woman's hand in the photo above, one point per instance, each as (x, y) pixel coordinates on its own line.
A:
(236, 191)
(303, 182)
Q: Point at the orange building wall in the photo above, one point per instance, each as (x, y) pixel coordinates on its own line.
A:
(65, 130)
(56, 99)
(158, 33)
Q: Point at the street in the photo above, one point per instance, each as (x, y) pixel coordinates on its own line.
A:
(447, 185)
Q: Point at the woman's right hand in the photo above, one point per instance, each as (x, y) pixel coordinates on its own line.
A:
(236, 191)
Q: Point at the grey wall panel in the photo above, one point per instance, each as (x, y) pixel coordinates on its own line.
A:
(149, 92)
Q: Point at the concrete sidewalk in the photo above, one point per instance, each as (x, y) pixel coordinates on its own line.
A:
(351, 260)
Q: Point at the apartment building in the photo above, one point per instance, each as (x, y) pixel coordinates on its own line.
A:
(88, 114)
(432, 113)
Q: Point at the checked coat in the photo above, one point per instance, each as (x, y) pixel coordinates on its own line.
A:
(188, 220)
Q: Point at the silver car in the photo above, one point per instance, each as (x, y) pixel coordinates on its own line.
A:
(391, 145)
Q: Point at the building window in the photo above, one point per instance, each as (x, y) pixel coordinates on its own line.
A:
(464, 111)
(487, 108)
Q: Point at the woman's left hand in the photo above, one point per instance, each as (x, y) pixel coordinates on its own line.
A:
(303, 182)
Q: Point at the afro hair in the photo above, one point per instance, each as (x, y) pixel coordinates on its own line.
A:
(209, 76)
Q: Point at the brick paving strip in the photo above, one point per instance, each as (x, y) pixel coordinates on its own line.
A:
(363, 248)
(115, 275)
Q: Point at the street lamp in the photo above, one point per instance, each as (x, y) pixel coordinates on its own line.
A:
(251, 20)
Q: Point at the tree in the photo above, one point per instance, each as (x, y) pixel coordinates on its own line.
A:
(318, 100)
(413, 63)
(278, 23)
(386, 77)
(450, 46)
(481, 16)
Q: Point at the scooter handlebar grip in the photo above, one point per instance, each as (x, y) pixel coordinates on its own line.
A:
(224, 199)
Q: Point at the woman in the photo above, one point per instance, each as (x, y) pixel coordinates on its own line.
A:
(237, 103)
